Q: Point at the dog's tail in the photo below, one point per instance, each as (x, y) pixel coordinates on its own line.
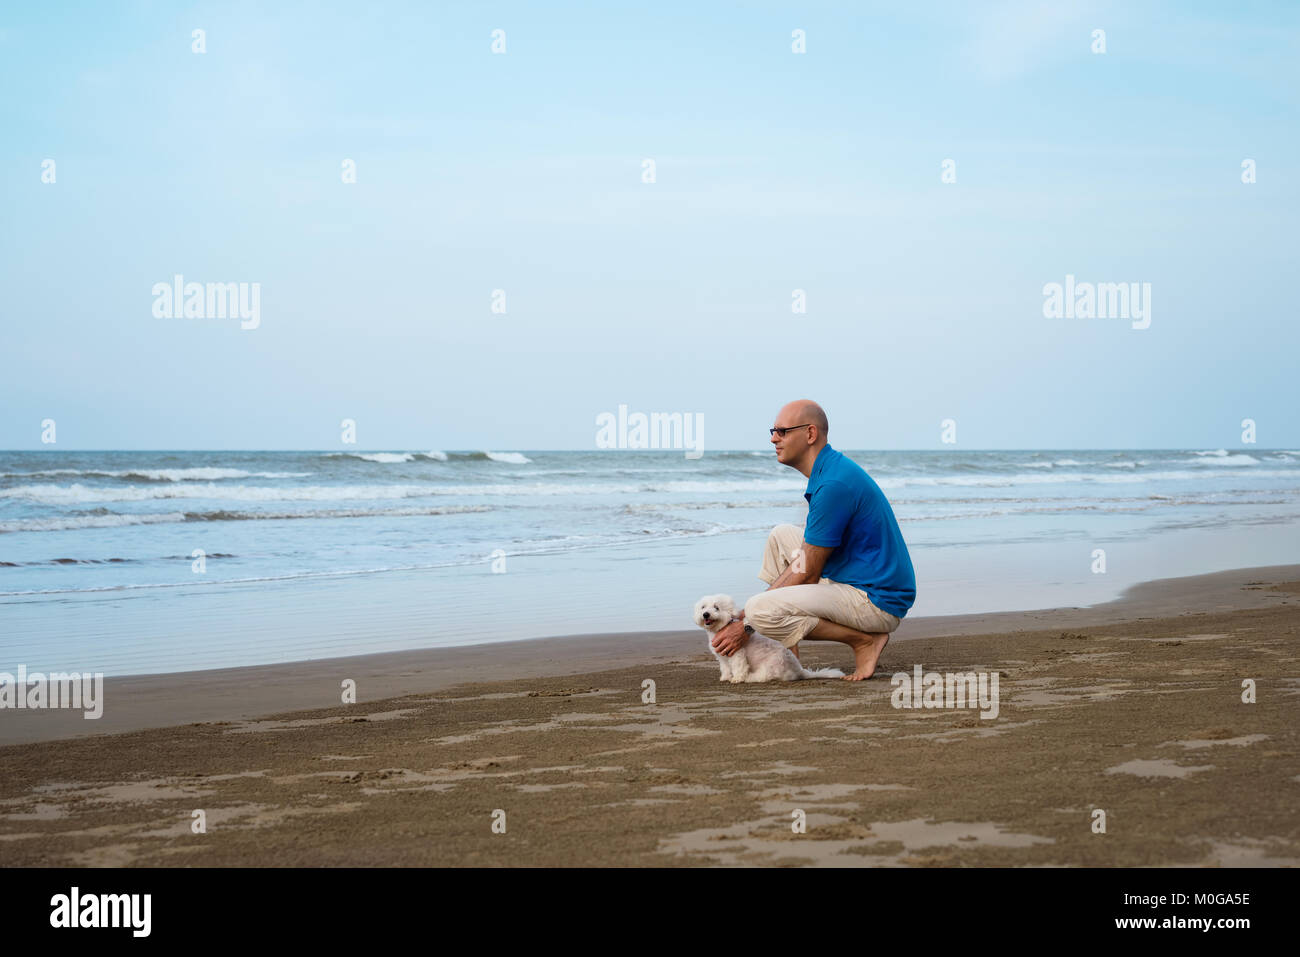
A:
(822, 673)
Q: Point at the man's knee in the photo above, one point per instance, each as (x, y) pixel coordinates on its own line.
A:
(768, 609)
(773, 617)
(784, 541)
(786, 532)
(760, 611)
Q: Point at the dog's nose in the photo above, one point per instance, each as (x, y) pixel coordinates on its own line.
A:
(706, 616)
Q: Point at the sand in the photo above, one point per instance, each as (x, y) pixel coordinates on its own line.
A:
(1133, 707)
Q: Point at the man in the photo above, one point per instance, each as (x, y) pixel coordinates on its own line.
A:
(846, 576)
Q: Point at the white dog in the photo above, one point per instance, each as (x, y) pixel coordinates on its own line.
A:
(760, 659)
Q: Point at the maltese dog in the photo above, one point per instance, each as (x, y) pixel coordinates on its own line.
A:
(760, 658)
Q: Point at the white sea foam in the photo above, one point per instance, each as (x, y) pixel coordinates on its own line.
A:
(65, 523)
(70, 522)
(181, 475)
(1054, 478)
(383, 458)
(80, 494)
(199, 473)
(397, 458)
(1238, 459)
(1059, 463)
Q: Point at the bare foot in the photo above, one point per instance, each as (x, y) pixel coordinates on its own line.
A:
(866, 652)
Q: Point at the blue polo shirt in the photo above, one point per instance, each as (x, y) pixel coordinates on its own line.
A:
(848, 512)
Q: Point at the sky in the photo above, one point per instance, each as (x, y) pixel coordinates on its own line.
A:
(523, 171)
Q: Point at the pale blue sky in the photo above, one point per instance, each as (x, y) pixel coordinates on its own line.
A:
(522, 172)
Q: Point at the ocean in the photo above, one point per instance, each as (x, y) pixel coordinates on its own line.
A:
(319, 554)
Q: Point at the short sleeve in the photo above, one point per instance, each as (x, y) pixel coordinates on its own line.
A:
(829, 511)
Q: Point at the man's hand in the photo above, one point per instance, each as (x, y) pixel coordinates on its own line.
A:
(731, 638)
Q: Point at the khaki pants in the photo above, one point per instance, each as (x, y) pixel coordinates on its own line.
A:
(788, 614)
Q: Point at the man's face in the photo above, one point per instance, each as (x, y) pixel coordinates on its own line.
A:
(789, 447)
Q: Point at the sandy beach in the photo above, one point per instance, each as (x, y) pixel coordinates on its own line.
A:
(1133, 707)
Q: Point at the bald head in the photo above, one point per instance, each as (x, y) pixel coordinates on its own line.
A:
(806, 410)
(799, 446)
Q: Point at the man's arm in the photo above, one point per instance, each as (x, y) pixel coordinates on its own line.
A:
(805, 566)
(805, 569)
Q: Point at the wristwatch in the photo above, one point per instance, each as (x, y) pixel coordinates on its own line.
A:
(749, 629)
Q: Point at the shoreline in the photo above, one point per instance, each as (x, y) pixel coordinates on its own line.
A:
(212, 626)
(153, 701)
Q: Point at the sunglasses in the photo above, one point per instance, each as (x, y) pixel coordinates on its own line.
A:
(789, 428)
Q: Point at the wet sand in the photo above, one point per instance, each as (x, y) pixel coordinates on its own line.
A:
(1133, 707)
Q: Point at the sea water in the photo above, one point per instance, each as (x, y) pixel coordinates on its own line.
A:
(145, 562)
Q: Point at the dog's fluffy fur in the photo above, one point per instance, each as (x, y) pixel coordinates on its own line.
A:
(759, 659)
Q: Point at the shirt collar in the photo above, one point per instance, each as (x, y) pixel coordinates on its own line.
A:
(823, 457)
